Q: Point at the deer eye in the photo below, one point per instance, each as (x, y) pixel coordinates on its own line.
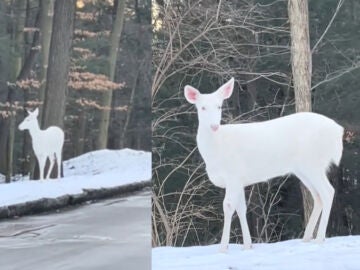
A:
(203, 108)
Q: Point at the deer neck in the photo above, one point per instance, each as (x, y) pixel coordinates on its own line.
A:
(34, 130)
(206, 132)
(207, 141)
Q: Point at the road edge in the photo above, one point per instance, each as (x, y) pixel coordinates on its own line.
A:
(51, 204)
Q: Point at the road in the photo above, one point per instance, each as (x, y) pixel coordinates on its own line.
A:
(109, 235)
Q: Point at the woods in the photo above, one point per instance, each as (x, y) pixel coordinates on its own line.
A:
(284, 60)
(67, 59)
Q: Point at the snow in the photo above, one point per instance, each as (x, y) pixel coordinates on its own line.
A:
(93, 170)
(335, 253)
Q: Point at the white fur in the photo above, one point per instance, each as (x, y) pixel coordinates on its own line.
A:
(238, 155)
(46, 143)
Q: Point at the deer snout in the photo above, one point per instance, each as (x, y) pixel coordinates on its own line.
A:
(214, 127)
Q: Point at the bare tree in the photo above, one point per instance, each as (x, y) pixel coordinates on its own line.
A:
(59, 63)
(107, 95)
(15, 70)
(301, 70)
(47, 14)
(234, 45)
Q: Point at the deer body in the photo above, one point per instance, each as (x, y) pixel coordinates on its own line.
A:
(286, 145)
(238, 155)
(47, 144)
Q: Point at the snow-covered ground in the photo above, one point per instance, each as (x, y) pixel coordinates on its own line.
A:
(334, 254)
(98, 169)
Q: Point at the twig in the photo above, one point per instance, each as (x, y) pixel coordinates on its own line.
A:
(340, 3)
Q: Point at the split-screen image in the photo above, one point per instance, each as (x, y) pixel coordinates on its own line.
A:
(182, 134)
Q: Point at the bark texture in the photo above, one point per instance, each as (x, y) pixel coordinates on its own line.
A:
(58, 67)
(59, 63)
(301, 70)
(107, 95)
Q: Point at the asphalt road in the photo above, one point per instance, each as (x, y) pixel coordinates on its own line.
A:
(109, 235)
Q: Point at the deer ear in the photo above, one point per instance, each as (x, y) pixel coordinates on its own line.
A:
(191, 94)
(226, 89)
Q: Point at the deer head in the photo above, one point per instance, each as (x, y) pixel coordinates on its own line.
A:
(30, 121)
(209, 105)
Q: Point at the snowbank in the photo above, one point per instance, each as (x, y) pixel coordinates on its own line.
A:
(334, 254)
(94, 170)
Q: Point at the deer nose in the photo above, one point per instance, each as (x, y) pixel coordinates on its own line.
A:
(214, 127)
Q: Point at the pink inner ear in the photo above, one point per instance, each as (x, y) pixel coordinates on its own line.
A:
(227, 90)
(191, 94)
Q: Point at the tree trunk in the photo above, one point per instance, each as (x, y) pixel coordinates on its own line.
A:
(17, 52)
(80, 133)
(17, 56)
(10, 148)
(46, 20)
(58, 65)
(29, 159)
(107, 95)
(4, 62)
(301, 70)
(129, 109)
(31, 54)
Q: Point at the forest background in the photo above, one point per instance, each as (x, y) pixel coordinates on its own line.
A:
(86, 64)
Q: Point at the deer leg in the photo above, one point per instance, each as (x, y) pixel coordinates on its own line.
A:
(314, 217)
(229, 209)
(241, 211)
(52, 160)
(42, 162)
(317, 207)
(58, 162)
(326, 192)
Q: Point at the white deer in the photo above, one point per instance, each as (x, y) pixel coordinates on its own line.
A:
(46, 143)
(238, 155)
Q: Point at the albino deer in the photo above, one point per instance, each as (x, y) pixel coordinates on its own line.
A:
(46, 143)
(238, 155)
